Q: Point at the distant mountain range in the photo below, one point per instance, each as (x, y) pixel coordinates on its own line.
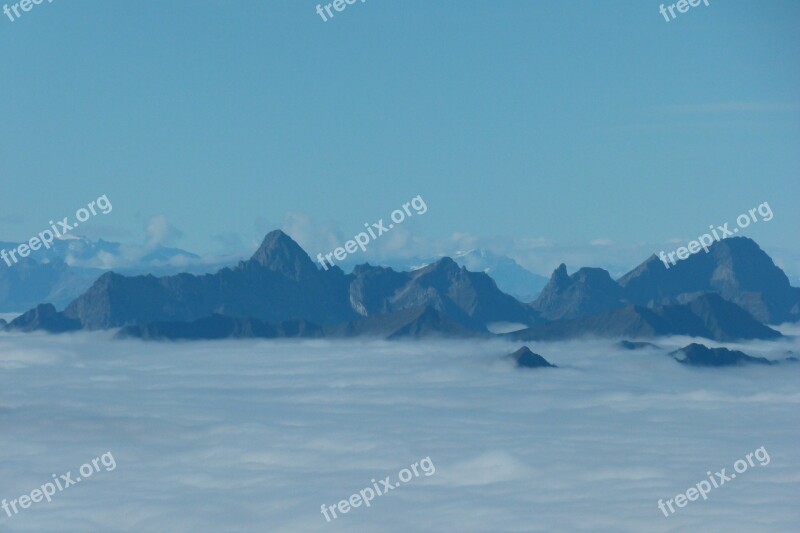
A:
(62, 273)
(729, 294)
(735, 268)
(280, 282)
(65, 271)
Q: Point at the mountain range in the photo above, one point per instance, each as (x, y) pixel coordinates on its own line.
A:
(731, 293)
(62, 273)
(735, 268)
(511, 277)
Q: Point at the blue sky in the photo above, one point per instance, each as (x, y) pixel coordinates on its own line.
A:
(518, 122)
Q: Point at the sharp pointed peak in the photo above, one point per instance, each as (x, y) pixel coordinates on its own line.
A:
(560, 275)
(280, 253)
(277, 237)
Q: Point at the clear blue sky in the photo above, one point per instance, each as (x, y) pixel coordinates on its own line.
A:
(564, 121)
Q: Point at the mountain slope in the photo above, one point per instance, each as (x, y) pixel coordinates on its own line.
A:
(470, 298)
(736, 268)
(43, 317)
(509, 275)
(220, 327)
(708, 316)
(413, 322)
(586, 292)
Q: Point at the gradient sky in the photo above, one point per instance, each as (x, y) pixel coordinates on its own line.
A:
(551, 122)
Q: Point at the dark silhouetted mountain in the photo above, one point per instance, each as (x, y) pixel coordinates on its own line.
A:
(635, 345)
(724, 320)
(372, 289)
(469, 298)
(708, 316)
(279, 253)
(736, 268)
(414, 322)
(45, 318)
(629, 321)
(220, 327)
(280, 282)
(510, 276)
(586, 292)
(525, 358)
(700, 355)
(408, 323)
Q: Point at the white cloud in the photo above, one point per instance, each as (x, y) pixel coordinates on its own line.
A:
(159, 232)
(229, 436)
(313, 235)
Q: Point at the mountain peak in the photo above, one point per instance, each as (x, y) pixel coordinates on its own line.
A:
(276, 238)
(525, 358)
(446, 262)
(587, 291)
(744, 244)
(445, 265)
(280, 253)
(44, 317)
(736, 268)
(593, 274)
(560, 278)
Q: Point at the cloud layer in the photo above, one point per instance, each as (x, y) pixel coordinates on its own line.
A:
(256, 435)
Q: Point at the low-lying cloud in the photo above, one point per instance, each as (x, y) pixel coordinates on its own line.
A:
(233, 435)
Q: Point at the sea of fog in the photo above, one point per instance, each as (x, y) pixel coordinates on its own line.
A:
(254, 436)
